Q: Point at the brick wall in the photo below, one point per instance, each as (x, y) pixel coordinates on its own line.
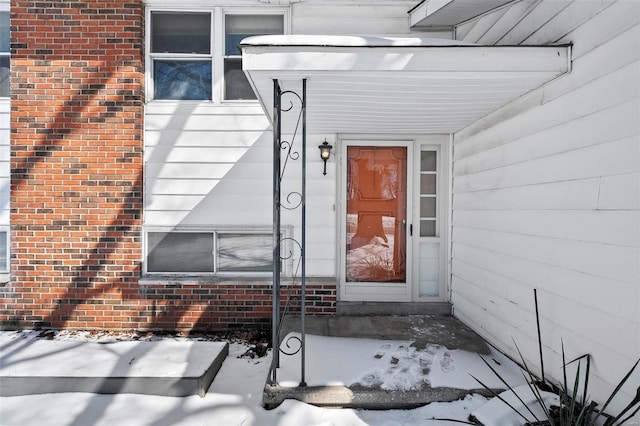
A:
(77, 79)
(76, 161)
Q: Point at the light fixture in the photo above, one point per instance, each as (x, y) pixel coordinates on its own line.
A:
(325, 153)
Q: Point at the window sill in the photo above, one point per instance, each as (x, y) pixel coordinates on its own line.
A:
(154, 280)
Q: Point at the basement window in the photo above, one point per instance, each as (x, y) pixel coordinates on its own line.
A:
(219, 252)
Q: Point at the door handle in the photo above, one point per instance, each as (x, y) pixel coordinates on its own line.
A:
(411, 230)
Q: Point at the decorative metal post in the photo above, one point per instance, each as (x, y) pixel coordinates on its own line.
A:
(277, 128)
(279, 167)
(303, 238)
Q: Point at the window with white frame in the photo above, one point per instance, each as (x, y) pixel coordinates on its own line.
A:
(4, 53)
(237, 27)
(209, 252)
(194, 55)
(428, 192)
(181, 55)
(4, 251)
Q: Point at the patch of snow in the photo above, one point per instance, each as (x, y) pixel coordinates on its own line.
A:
(523, 400)
(235, 396)
(392, 365)
(349, 41)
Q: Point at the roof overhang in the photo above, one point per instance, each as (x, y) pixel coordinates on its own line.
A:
(447, 13)
(396, 85)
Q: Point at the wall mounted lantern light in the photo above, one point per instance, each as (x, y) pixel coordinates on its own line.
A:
(325, 153)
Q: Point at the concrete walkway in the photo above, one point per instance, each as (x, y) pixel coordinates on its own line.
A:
(166, 368)
(423, 331)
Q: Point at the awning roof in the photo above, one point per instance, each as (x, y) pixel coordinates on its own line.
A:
(396, 85)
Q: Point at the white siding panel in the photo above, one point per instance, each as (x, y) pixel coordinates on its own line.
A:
(608, 227)
(190, 138)
(613, 89)
(569, 195)
(609, 159)
(514, 279)
(568, 19)
(622, 123)
(483, 25)
(530, 23)
(5, 159)
(350, 18)
(601, 260)
(613, 20)
(547, 195)
(506, 21)
(620, 192)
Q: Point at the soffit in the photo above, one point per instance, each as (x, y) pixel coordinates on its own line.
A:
(395, 85)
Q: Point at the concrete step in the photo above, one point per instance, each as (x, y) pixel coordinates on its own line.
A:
(166, 368)
(393, 308)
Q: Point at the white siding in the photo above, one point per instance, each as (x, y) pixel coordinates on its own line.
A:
(350, 17)
(547, 195)
(210, 166)
(5, 162)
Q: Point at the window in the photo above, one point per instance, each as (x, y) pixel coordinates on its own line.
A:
(196, 252)
(194, 55)
(236, 28)
(4, 251)
(181, 55)
(4, 54)
(428, 193)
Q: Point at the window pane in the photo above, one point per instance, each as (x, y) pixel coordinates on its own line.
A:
(4, 77)
(236, 85)
(187, 80)
(428, 161)
(180, 252)
(427, 228)
(3, 252)
(4, 31)
(180, 32)
(427, 207)
(245, 252)
(238, 27)
(428, 184)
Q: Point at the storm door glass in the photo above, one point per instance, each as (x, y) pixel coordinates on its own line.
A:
(376, 207)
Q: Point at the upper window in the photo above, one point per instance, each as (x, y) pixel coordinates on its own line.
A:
(186, 62)
(181, 55)
(236, 28)
(4, 54)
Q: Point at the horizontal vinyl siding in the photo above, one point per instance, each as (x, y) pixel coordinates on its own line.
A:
(5, 168)
(210, 166)
(347, 17)
(547, 196)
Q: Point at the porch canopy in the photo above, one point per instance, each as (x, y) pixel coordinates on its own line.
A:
(394, 85)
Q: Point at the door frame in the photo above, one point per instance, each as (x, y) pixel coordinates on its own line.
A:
(409, 291)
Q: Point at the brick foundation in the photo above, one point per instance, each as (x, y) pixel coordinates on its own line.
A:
(77, 111)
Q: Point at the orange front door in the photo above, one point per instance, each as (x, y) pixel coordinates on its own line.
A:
(376, 220)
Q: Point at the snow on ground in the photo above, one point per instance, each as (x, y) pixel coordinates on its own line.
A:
(235, 395)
